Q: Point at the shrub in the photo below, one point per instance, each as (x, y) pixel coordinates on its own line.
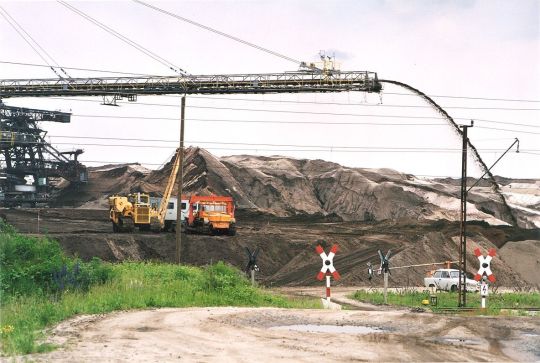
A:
(220, 276)
(30, 265)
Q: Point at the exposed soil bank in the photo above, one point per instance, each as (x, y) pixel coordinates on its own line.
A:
(288, 245)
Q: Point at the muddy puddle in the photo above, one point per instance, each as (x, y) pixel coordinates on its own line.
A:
(334, 329)
(459, 341)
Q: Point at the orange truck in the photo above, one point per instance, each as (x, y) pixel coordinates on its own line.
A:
(210, 214)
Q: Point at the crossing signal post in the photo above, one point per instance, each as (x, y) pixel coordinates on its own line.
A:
(385, 269)
(252, 266)
(328, 268)
(484, 272)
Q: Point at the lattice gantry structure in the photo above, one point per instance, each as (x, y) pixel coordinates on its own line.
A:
(130, 87)
(30, 167)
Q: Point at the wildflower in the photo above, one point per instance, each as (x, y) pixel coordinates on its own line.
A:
(7, 329)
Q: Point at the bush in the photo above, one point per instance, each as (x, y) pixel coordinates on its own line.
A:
(30, 265)
(219, 277)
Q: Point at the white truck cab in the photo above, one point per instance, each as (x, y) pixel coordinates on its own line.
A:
(170, 214)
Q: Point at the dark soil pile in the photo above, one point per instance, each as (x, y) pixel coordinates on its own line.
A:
(289, 187)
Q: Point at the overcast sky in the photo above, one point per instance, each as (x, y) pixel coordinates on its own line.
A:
(480, 49)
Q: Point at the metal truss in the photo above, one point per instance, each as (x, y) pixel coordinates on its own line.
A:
(24, 152)
(289, 82)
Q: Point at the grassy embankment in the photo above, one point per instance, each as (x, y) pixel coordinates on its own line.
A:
(40, 286)
(449, 300)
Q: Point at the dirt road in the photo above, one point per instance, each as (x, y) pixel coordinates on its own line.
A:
(264, 334)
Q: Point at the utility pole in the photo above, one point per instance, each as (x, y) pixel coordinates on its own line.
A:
(462, 285)
(180, 182)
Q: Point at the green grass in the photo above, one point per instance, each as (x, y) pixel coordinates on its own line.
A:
(495, 301)
(30, 304)
(38, 266)
(135, 286)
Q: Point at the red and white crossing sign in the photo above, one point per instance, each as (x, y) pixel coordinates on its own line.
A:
(485, 262)
(328, 263)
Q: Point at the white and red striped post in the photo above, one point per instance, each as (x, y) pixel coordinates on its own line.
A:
(328, 287)
(328, 268)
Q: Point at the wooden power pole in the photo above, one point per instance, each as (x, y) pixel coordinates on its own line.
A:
(180, 183)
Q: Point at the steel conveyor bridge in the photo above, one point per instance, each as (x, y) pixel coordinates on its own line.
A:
(288, 82)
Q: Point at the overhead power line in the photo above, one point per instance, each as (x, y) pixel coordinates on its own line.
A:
(79, 69)
(18, 28)
(348, 114)
(510, 130)
(303, 122)
(258, 144)
(299, 122)
(262, 121)
(526, 152)
(376, 105)
(125, 39)
(330, 148)
(466, 97)
(396, 174)
(345, 169)
(205, 27)
(96, 188)
(307, 112)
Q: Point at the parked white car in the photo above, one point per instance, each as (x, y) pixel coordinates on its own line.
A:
(447, 279)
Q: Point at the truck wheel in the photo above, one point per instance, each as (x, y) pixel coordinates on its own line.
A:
(167, 226)
(155, 225)
(126, 225)
(120, 226)
(453, 288)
